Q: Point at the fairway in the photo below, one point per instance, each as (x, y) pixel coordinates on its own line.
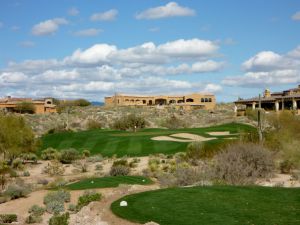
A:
(226, 205)
(121, 143)
(106, 182)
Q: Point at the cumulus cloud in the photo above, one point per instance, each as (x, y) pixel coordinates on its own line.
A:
(73, 11)
(88, 32)
(296, 16)
(48, 27)
(171, 9)
(268, 68)
(105, 16)
(103, 69)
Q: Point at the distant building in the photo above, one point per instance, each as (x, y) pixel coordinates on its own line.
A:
(41, 106)
(192, 101)
(276, 101)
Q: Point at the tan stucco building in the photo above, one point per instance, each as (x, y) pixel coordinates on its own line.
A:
(41, 106)
(276, 101)
(191, 101)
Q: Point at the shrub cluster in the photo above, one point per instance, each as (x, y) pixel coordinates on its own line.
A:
(93, 124)
(120, 168)
(50, 154)
(242, 164)
(35, 214)
(173, 122)
(67, 156)
(54, 201)
(54, 168)
(62, 219)
(8, 218)
(17, 190)
(87, 198)
(129, 122)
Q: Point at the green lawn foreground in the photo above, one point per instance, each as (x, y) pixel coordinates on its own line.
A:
(107, 182)
(218, 205)
(121, 143)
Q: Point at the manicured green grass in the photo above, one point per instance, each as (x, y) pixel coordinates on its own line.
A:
(106, 182)
(226, 205)
(110, 142)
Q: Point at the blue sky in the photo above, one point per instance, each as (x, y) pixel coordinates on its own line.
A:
(91, 49)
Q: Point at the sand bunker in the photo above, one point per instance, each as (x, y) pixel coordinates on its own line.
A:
(182, 137)
(220, 133)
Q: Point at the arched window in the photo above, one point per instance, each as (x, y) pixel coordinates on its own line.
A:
(172, 101)
(209, 100)
(206, 99)
(202, 99)
(190, 100)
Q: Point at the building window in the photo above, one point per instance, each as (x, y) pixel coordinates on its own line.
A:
(202, 99)
(190, 100)
(206, 99)
(209, 100)
(144, 101)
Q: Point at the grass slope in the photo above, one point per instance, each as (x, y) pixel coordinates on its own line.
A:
(226, 205)
(110, 142)
(105, 182)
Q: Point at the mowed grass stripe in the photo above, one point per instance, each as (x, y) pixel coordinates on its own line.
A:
(121, 143)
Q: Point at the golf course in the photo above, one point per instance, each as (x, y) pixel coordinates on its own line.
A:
(143, 142)
(213, 205)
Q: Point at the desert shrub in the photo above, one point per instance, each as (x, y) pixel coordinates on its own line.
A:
(3, 199)
(58, 183)
(55, 207)
(72, 208)
(42, 181)
(54, 169)
(242, 164)
(87, 198)
(173, 122)
(54, 201)
(60, 195)
(8, 218)
(93, 124)
(95, 158)
(167, 180)
(129, 122)
(81, 102)
(29, 157)
(81, 166)
(98, 167)
(13, 173)
(286, 166)
(33, 219)
(36, 210)
(121, 162)
(60, 219)
(50, 154)
(283, 137)
(69, 155)
(15, 191)
(119, 170)
(86, 153)
(17, 164)
(26, 174)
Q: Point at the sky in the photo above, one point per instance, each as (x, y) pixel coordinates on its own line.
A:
(95, 48)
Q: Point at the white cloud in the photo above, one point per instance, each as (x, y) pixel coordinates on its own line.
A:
(73, 11)
(268, 68)
(105, 16)
(27, 44)
(88, 32)
(96, 54)
(48, 27)
(263, 61)
(296, 16)
(104, 69)
(172, 9)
